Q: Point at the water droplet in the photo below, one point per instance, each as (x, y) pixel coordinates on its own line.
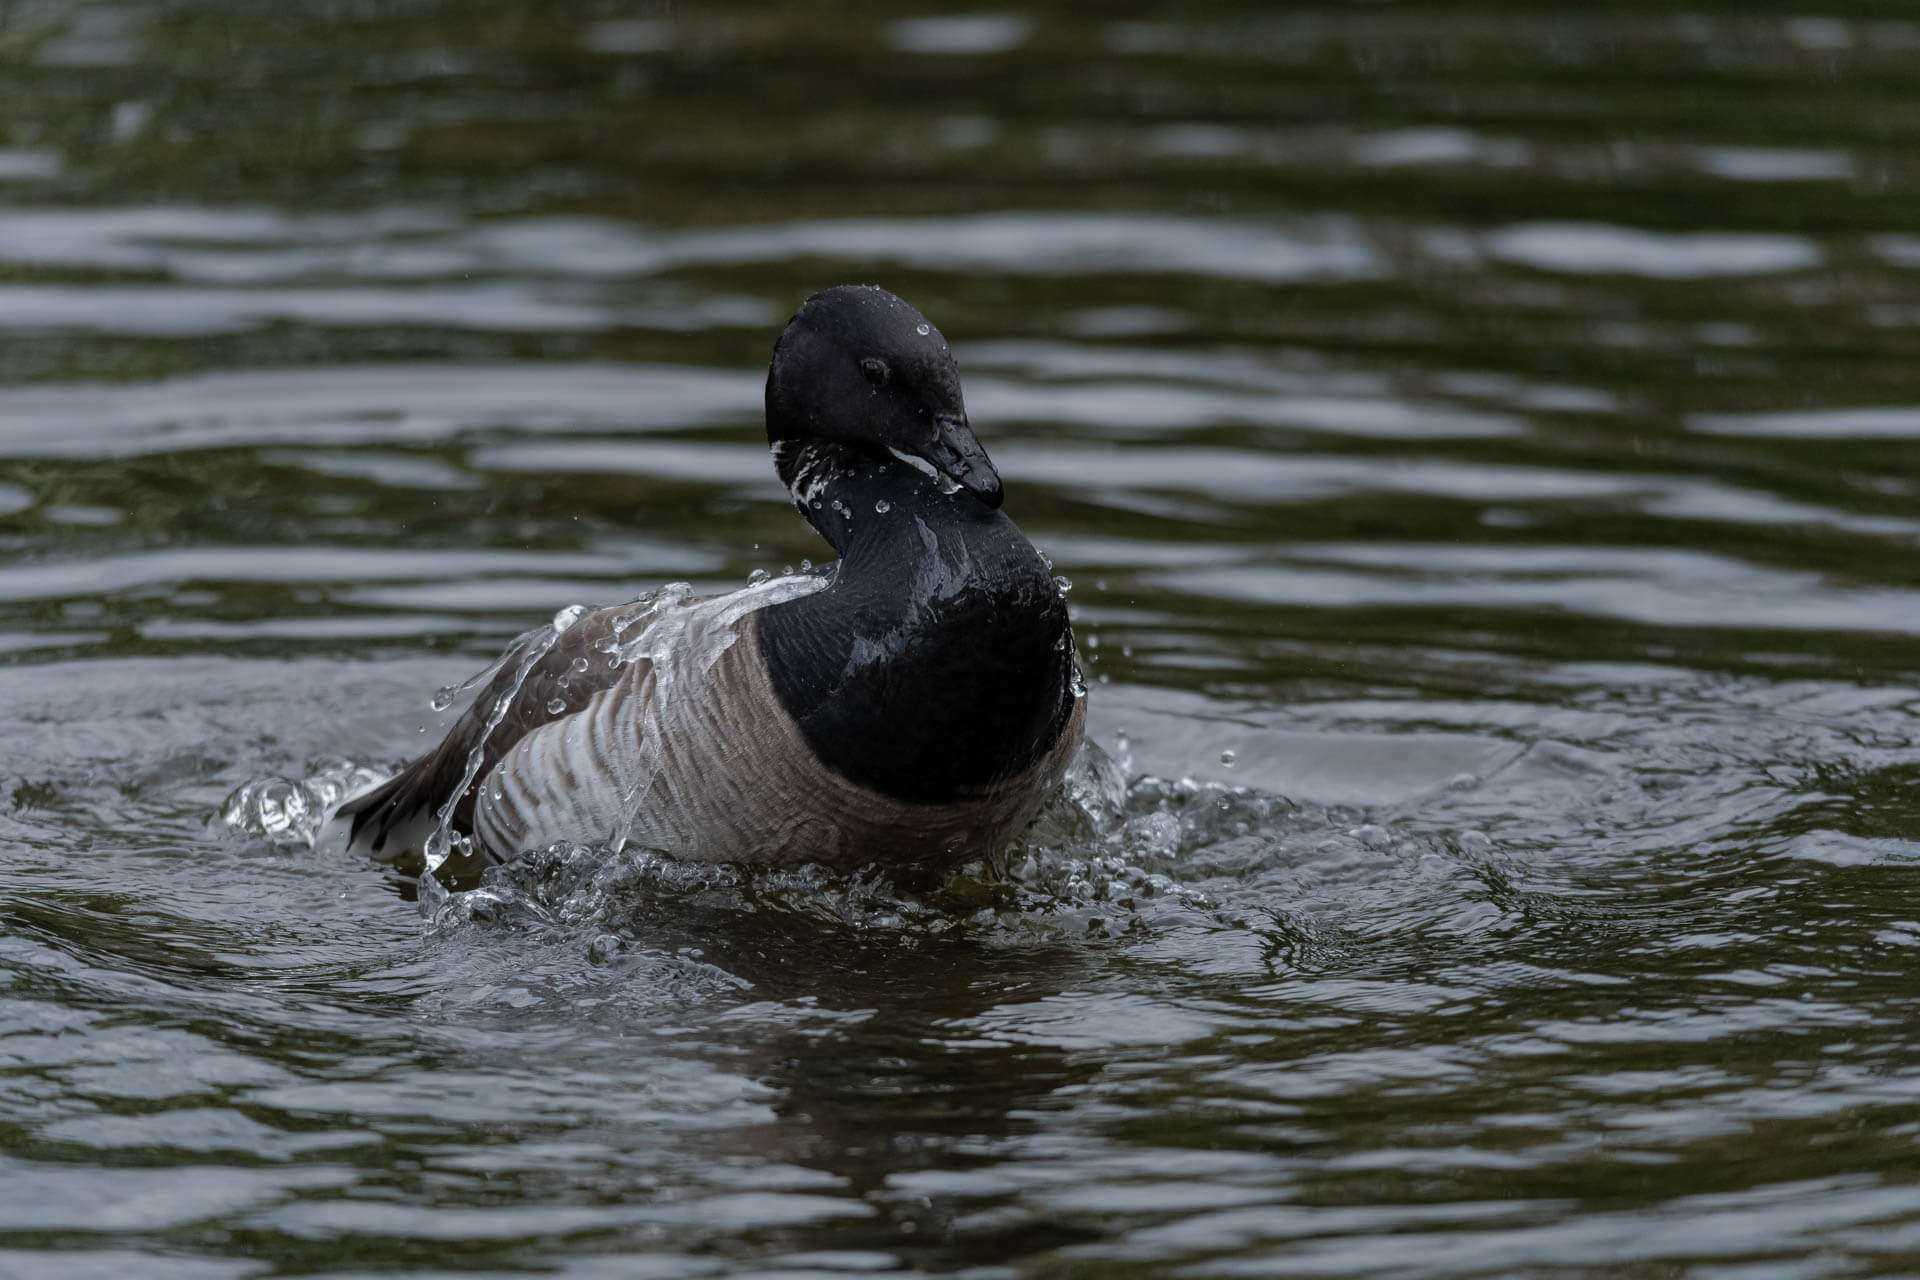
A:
(568, 616)
(923, 328)
(441, 700)
(883, 506)
(1226, 758)
(787, 572)
(556, 705)
(1062, 583)
(806, 566)
(580, 665)
(757, 577)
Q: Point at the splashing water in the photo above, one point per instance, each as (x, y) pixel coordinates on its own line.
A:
(676, 639)
(291, 812)
(441, 844)
(685, 639)
(447, 695)
(1104, 857)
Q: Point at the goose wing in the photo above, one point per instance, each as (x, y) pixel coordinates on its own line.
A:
(546, 676)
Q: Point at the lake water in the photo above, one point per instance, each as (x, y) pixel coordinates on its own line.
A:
(1484, 443)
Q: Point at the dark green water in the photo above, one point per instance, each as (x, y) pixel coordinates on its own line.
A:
(1494, 426)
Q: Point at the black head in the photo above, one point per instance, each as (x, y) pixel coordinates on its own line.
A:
(858, 367)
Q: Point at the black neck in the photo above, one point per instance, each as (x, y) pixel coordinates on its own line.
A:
(834, 486)
(940, 659)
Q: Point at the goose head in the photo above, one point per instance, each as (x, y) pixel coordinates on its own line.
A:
(859, 368)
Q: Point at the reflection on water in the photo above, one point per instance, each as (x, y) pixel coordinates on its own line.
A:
(1479, 440)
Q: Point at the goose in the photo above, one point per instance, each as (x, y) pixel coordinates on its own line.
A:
(912, 704)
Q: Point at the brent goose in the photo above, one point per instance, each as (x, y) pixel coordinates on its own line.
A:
(912, 704)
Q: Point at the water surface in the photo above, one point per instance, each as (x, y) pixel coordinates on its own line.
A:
(1481, 439)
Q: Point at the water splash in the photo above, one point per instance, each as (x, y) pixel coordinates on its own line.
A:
(1100, 851)
(1106, 857)
(682, 640)
(290, 812)
(448, 694)
(443, 842)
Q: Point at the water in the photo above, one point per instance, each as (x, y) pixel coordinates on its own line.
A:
(1482, 443)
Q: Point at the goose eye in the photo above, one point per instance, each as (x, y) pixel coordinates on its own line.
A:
(876, 371)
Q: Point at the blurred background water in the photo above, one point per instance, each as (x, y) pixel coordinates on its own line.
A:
(1482, 439)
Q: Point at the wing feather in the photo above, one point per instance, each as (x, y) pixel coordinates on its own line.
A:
(559, 681)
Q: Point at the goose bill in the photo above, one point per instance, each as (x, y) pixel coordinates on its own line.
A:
(955, 454)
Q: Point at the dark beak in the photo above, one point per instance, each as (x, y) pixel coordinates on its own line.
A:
(956, 455)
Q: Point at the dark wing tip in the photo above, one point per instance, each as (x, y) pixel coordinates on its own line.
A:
(378, 808)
